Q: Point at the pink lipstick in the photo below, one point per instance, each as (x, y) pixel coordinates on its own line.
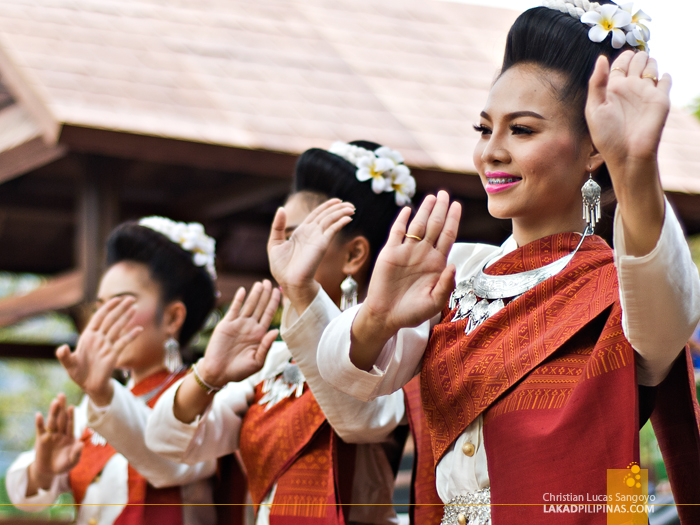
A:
(498, 181)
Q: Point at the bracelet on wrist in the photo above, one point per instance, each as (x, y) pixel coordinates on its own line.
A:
(209, 389)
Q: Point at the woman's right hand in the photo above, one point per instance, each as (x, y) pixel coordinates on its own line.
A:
(57, 450)
(411, 281)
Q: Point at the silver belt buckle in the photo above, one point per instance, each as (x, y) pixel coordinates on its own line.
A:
(469, 509)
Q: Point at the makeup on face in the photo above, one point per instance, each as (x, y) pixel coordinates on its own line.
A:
(498, 181)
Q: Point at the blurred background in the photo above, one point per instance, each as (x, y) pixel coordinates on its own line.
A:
(197, 110)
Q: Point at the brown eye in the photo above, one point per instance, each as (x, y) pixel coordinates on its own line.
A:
(520, 130)
(482, 129)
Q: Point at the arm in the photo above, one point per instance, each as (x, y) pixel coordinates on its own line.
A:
(355, 421)
(626, 112)
(17, 484)
(660, 298)
(123, 424)
(213, 434)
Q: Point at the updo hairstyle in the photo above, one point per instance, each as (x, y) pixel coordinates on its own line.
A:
(328, 176)
(171, 267)
(557, 42)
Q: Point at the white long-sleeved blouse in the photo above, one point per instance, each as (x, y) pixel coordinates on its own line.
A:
(660, 298)
(217, 432)
(122, 423)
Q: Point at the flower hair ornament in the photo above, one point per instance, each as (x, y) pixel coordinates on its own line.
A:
(626, 25)
(190, 236)
(384, 167)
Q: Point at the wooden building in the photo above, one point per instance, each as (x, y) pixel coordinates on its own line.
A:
(197, 110)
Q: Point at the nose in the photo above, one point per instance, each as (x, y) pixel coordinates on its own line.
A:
(495, 151)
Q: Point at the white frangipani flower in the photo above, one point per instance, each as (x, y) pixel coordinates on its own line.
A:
(376, 169)
(190, 236)
(638, 17)
(403, 184)
(635, 38)
(610, 18)
(384, 167)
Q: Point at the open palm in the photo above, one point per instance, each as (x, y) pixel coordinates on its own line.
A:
(57, 449)
(626, 109)
(411, 281)
(241, 340)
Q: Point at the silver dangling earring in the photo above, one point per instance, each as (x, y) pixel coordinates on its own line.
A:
(591, 203)
(349, 297)
(173, 360)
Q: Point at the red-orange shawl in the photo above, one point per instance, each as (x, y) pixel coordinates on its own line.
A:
(291, 444)
(555, 379)
(94, 458)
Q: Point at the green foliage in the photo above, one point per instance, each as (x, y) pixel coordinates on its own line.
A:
(63, 510)
(694, 243)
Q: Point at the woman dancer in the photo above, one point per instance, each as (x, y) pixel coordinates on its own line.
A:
(298, 455)
(156, 293)
(532, 367)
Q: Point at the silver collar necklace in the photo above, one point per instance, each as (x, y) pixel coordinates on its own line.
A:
(482, 296)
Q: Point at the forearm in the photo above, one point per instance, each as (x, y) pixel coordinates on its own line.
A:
(641, 204)
(19, 492)
(368, 337)
(191, 400)
(37, 479)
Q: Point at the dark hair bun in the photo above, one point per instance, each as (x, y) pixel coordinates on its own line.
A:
(171, 267)
(320, 171)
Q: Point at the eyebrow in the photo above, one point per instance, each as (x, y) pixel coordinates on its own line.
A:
(516, 114)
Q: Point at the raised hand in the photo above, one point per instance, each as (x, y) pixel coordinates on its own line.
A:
(241, 340)
(294, 261)
(57, 450)
(92, 363)
(411, 281)
(626, 112)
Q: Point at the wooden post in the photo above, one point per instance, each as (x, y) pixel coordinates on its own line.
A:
(97, 215)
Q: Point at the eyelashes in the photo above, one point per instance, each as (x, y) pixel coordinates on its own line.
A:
(514, 128)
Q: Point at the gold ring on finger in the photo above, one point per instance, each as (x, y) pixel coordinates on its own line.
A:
(652, 77)
(413, 237)
(619, 69)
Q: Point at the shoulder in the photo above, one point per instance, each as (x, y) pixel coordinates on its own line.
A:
(469, 257)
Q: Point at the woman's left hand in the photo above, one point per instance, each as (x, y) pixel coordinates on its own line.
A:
(626, 112)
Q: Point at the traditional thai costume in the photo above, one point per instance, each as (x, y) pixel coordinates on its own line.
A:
(543, 392)
(304, 458)
(118, 478)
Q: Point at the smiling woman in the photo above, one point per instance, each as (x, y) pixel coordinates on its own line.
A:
(552, 343)
(155, 294)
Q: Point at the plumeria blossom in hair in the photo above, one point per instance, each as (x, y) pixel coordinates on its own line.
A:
(625, 25)
(384, 167)
(190, 236)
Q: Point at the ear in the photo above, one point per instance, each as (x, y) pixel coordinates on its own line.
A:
(595, 159)
(357, 254)
(174, 317)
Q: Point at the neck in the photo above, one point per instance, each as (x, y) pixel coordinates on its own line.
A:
(139, 374)
(526, 231)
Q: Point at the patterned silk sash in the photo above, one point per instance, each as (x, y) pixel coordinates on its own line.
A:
(291, 444)
(94, 458)
(463, 375)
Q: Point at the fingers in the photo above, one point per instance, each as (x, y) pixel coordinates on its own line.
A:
(39, 424)
(252, 300)
(102, 312)
(52, 417)
(320, 209)
(263, 300)
(116, 313)
(334, 214)
(264, 346)
(598, 83)
(665, 83)
(125, 339)
(277, 230)
(448, 235)
(436, 221)
(420, 221)
(637, 64)
(271, 308)
(235, 309)
(64, 356)
(70, 417)
(116, 330)
(75, 452)
(398, 229)
(62, 416)
(621, 64)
